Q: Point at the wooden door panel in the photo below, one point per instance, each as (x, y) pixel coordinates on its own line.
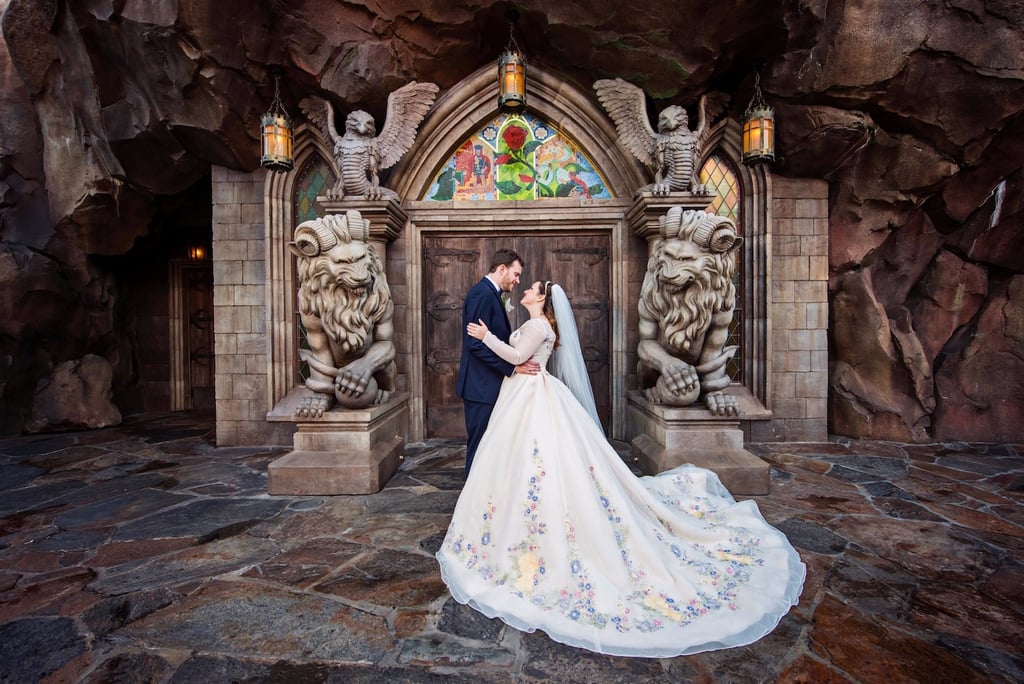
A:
(450, 267)
(453, 264)
(581, 265)
(198, 308)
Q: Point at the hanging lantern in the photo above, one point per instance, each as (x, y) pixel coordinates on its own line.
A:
(197, 253)
(277, 135)
(512, 76)
(758, 129)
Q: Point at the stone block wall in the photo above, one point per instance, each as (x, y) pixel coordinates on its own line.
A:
(240, 311)
(799, 313)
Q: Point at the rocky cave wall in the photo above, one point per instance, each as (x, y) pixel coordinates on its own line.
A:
(912, 111)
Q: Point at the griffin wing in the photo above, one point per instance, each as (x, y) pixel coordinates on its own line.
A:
(627, 107)
(321, 113)
(709, 109)
(406, 108)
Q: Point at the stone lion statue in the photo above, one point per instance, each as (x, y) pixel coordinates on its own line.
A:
(687, 302)
(345, 305)
(360, 154)
(673, 152)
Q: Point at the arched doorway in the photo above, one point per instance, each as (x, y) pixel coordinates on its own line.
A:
(452, 262)
(581, 242)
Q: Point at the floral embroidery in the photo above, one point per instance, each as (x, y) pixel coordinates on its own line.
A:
(721, 567)
(475, 556)
(530, 567)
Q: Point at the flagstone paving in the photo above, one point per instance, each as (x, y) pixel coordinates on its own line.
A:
(144, 553)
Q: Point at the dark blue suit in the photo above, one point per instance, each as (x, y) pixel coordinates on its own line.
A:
(481, 370)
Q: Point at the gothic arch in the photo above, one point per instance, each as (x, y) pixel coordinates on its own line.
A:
(461, 110)
(279, 222)
(755, 195)
(576, 114)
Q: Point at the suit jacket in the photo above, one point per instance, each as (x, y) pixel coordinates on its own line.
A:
(481, 370)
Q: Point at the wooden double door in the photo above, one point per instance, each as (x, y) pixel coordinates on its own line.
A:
(580, 263)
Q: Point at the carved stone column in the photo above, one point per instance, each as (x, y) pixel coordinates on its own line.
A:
(386, 216)
(345, 451)
(663, 437)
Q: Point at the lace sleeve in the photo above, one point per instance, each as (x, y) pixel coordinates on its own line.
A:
(531, 336)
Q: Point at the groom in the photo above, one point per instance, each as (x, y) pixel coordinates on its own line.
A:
(481, 371)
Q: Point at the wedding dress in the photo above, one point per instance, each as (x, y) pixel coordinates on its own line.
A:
(552, 531)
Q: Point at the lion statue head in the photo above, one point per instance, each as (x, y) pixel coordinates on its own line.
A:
(689, 278)
(341, 280)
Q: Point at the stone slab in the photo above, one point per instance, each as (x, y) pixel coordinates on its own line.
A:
(319, 473)
(750, 407)
(345, 430)
(352, 436)
(284, 410)
(739, 470)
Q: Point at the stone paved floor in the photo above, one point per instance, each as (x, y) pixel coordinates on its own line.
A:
(143, 553)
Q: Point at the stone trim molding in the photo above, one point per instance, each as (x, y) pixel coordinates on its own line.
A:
(279, 201)
(463, 109)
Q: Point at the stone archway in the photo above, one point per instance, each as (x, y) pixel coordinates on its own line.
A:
(452, 119)
(279, 222)
(530, 226)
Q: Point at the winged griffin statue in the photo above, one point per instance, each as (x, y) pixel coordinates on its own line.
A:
(673, 152)
(360, 154)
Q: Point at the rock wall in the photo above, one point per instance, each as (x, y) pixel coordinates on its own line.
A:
(913, 112)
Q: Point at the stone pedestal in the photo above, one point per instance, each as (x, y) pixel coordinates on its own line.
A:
(667, 436)
(346, 451)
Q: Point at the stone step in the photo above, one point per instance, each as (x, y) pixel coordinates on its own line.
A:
(740, 471)
(319, 473)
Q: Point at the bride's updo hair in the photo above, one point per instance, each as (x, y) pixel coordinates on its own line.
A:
(549, 308)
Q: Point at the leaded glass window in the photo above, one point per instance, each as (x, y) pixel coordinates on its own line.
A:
(517, 157)
(718, 176)
(313, 181)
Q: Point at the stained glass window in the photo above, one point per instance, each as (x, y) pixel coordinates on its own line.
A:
(313, 181)
(517, 157)
(718, 175)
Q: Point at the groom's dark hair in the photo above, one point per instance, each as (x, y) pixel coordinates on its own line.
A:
(504, 257)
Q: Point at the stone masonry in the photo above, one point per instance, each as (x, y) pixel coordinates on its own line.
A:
(799, 313)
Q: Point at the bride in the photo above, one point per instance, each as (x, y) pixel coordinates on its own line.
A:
(552, 531)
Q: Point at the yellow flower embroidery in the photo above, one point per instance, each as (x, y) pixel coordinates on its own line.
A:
(742, 559)
(528, 565)
(658, 603)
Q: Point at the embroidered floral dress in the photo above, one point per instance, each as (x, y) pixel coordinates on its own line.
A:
(552, 531)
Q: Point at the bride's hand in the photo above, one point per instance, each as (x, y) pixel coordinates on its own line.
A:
(477, 330)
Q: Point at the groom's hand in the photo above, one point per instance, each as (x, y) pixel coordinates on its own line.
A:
(528, 368)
